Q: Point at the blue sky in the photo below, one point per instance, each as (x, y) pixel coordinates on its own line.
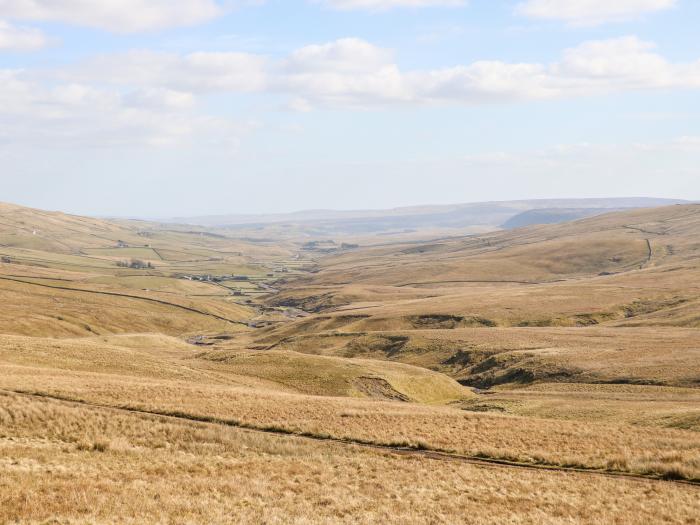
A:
(157, 108)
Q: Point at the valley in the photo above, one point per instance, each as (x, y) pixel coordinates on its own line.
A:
(548, 373)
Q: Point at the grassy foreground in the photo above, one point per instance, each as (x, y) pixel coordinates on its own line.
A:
(188, 472)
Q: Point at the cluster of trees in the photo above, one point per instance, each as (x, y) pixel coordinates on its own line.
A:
(136, 264)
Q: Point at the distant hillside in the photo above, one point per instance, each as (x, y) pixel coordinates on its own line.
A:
(553, 216)
(449, 279)
(57, 232)
(64, 275)
(596, 244)
(510, 306)
(441, 220)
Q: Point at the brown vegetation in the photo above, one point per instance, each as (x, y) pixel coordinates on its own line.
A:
(192, 472)
(151, 395)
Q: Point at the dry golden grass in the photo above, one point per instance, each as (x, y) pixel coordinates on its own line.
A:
(331, 376)
(608, 243)
(485, 356)
(398, 325)
(39, 311)
(644, 297)
(67, 464)
(640, 405)
(651, 450)
(62, 278)
(593, 271)
(59, 233)
(160, 357)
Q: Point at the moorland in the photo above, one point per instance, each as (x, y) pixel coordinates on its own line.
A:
(169, 372)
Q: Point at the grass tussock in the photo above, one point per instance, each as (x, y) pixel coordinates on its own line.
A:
(523, 439)
(204, 473)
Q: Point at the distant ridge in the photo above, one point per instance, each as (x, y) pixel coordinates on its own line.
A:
(554, 216)
(436, 220)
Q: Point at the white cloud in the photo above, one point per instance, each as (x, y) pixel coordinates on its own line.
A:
(591, 12)
(160, 98)
(224, 71)
(348, 72)
(198, 72)
(15, 38)
(354, 73)
(80, 115)
(347, 55)
(383, 5)
(122, 16)
(623, 63)
(484, 82)
(151, 98)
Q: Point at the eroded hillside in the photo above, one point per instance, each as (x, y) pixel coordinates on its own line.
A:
(544, 303)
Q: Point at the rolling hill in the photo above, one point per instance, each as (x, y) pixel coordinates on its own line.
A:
(450, 305)
(549, 360)
(62, 275)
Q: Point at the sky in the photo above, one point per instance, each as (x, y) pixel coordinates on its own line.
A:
(163, 108)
